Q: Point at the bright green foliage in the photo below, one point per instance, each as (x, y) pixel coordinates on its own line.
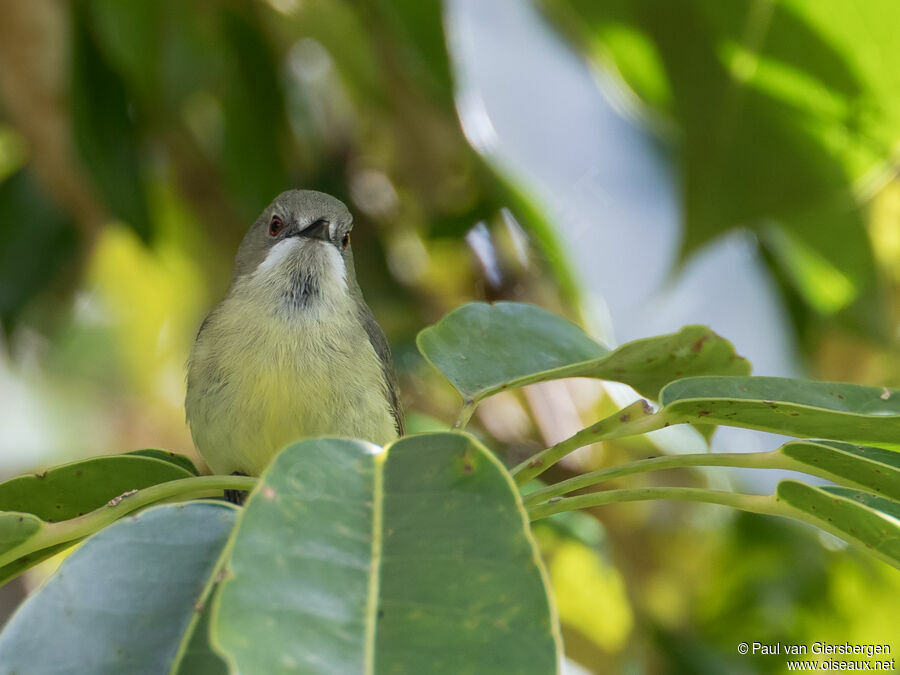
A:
(744, 82)
(123, 602)
(838, 411)
(415, 559)
(483, 349)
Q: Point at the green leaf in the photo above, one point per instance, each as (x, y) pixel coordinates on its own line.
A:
(17, 528)
(483, 349)
(863, 519)
(198, 657)
(833, 410)
(415, 559)
(173, 457)
(124, 601)
(74, 489)
(874, 469)
(71, 490)
(104, 132)
(480, 347)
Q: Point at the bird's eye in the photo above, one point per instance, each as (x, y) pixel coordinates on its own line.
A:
(276, 225)
(345, 240)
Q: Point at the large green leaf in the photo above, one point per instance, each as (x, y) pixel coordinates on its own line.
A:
(833, 410)
(415, 559)
(483, 349)
(125, 601)
(866, 520)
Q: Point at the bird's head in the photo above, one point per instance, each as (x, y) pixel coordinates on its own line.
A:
(298, 251)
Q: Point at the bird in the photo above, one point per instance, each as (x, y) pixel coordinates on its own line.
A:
(293, 350)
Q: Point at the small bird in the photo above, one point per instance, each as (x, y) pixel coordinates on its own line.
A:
(293, 351)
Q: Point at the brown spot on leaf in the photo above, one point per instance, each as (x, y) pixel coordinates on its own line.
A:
(698, 345)
(625, 417)
(536, 462)
(268, 492)
(703, 413)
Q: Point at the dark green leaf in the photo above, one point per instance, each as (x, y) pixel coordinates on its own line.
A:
(172, 457)
(74, 489)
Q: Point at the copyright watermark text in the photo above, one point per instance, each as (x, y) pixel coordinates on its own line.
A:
(837, 656)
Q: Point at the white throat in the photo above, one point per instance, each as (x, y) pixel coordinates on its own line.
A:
(299, 279)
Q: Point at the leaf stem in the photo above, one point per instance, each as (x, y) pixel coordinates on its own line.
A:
(754, 460)
(765, 504)
(637, 418)
(465, 413)
(53, 534)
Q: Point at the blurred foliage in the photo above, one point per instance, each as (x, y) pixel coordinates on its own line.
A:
(138, 140)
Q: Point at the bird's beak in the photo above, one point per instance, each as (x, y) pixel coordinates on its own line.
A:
(318, 230)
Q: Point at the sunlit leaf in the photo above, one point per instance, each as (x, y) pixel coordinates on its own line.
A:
(342, 546)
(745, 82)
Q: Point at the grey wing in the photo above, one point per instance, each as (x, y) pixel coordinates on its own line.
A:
(380, 344)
